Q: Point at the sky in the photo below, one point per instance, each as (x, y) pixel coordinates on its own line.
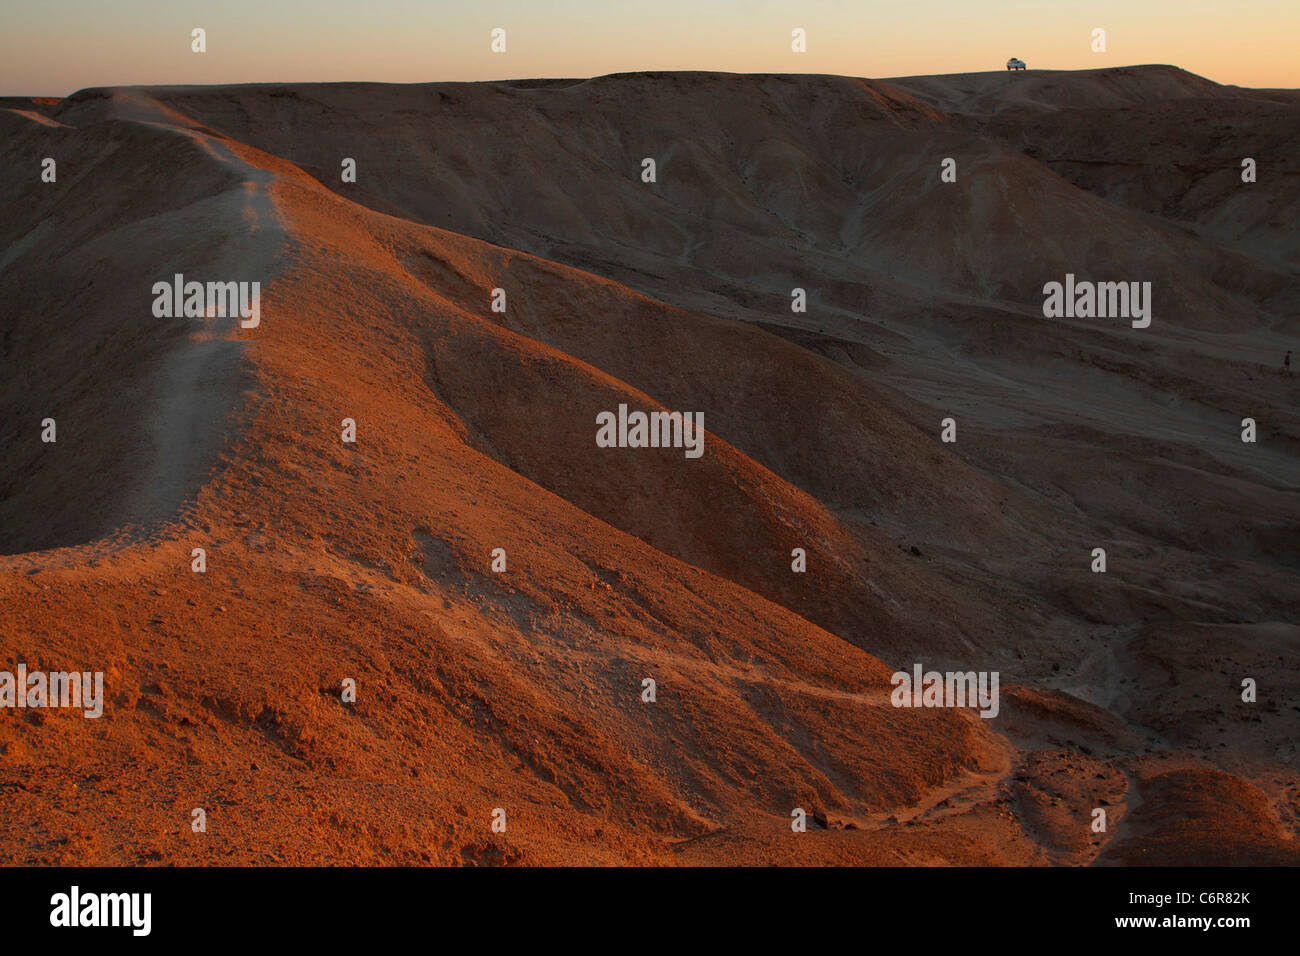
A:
(55, 47)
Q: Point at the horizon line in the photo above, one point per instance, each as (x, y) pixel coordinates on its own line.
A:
(617, 73)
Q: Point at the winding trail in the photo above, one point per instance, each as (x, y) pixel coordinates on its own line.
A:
(198, 386)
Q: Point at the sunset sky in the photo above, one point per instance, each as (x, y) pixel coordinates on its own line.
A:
(54, 48)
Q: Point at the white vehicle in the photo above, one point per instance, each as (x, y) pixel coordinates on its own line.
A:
(1014, 64)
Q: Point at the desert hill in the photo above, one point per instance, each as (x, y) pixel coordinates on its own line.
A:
(475, 431)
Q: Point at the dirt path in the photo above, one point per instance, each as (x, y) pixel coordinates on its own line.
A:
(197, 388)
